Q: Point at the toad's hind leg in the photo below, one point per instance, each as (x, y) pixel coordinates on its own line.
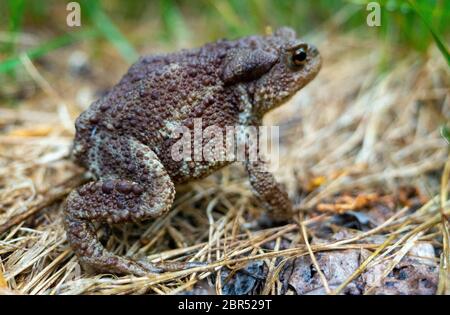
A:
(134, 187)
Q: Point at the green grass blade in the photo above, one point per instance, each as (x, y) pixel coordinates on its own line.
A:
(229, 16)
(106, 27)
(173, 21)
(12, 62)
(16, 9)
(437, 38)
(445, 133)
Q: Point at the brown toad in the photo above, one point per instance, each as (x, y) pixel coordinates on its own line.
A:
(125, 139)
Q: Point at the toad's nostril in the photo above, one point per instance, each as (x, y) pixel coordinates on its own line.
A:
(313, 50)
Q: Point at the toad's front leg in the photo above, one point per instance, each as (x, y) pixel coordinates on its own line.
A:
(134, 187)
(269, 191)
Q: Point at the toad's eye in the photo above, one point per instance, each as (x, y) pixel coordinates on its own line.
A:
(299, 57)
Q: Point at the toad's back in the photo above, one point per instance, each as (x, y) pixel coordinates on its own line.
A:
(161, 93)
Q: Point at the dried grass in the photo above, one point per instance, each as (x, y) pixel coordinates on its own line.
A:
(355, 129)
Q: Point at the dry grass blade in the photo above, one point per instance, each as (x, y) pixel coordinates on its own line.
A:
(314, 260)
(444, 270)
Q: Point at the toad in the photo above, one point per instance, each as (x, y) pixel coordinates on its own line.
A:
(125, 138)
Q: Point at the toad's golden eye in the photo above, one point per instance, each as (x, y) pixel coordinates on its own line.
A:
(299, 57)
